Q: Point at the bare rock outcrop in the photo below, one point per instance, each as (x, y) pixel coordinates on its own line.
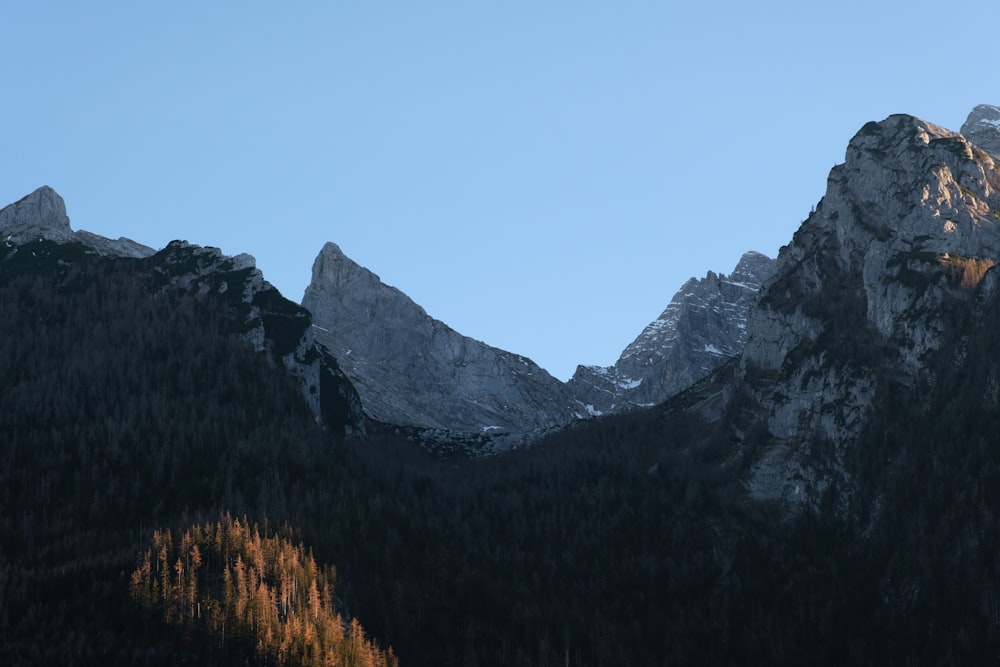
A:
(982, 128)
(703, 327)
(42, 215)
(414, 370)
(909, 226)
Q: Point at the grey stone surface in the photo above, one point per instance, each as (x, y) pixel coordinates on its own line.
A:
(982, 128)
(42, 215)
(861, 286)
(703, 327)
(414, 370)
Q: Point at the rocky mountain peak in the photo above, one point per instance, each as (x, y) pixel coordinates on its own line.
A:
(753, 267)
(41, 214)
(413, 370)
(336, 270)
(703, 327)
(982, 128)
(907, 192)
(911, 186)
(909, 225)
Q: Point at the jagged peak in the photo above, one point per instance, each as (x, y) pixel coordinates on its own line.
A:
(909, 178)
(753, 268)
(333, 267)
(331, 248)
(982, 128)
(869, 288)
(37, 213)
(414, 370)
(702, 327)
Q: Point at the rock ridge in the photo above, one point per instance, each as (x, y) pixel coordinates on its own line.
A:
(270, 323)
(42, 215)
(703, 327)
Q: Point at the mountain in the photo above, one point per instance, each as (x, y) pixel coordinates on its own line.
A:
(42, 215)
(982, 128)
(38, 239)
(411, 369)
(864, 307)
(137, 393)
(703, 327)
(828, 496)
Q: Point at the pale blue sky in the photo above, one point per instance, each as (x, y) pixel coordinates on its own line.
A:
(542, 176)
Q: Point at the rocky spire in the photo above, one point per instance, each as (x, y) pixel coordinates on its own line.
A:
(413, 370)
(982, 128)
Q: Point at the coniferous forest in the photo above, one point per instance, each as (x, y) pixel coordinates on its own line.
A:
(168, 498)
(265, 594)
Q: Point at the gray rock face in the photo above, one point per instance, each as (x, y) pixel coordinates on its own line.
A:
(411, 369)
(42, 215)
(909, 224)
(982, 128)
(703, 327)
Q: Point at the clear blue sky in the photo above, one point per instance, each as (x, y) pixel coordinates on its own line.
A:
(542, 176)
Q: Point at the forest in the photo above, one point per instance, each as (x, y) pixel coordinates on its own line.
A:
(136, 426)
(265, 594)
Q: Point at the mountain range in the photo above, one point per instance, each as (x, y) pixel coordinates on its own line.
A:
(414, 370)
(795, 463)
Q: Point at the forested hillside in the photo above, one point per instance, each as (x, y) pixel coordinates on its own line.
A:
(133, 416)
(128, 406)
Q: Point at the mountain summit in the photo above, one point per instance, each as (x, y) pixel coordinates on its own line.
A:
(828, 497)
(412, 369)
(982, 128)
(864, 302)
(42, 215)
(703, 327)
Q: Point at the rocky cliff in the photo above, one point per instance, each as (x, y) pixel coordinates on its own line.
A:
(411, 369)
(982, 128)
(703, 327)
(864, 299)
